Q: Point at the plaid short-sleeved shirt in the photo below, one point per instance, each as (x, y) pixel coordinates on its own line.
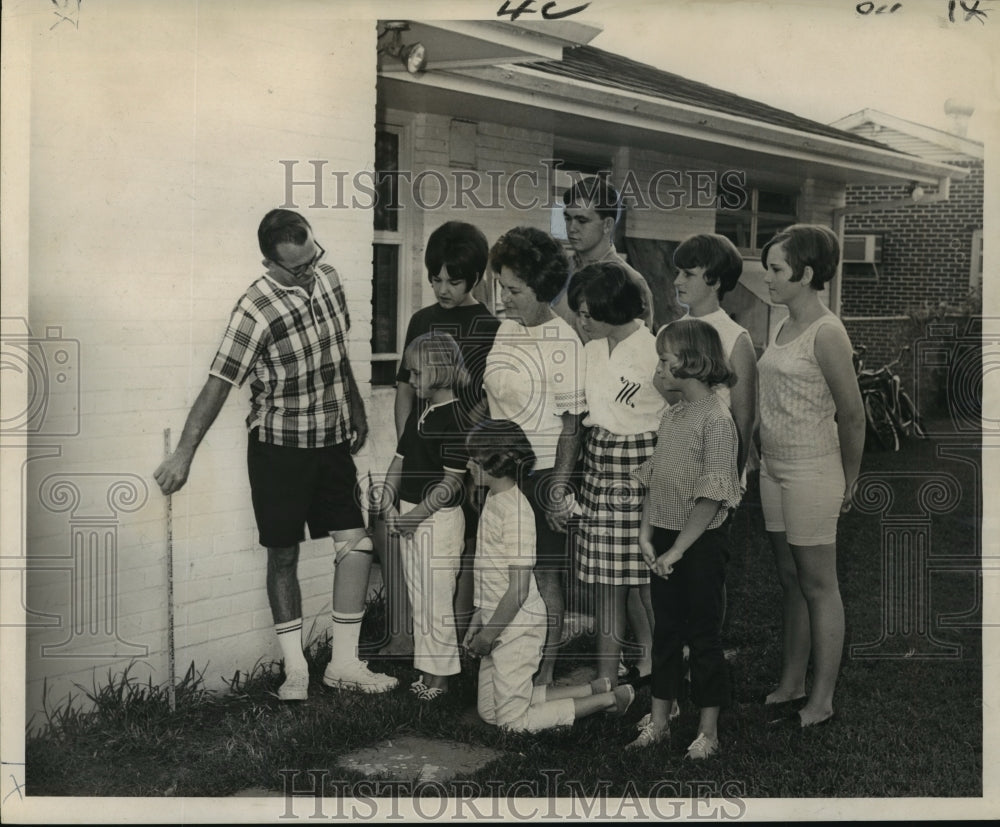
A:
(292, 347)
(695, 457)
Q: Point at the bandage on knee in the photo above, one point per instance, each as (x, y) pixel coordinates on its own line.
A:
(342, 548)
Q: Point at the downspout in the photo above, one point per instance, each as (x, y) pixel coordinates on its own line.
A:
(917, 198)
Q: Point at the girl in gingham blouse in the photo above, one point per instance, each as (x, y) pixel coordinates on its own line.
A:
(692, 485)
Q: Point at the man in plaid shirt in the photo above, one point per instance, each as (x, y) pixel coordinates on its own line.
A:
(287, 336)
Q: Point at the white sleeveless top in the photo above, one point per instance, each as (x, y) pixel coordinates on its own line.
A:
(729, 331)
(796, 406)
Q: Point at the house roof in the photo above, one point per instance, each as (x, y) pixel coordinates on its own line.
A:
(914, 138)
(575, 90)
(587, 63)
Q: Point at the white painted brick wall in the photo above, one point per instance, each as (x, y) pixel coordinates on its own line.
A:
(155, 148)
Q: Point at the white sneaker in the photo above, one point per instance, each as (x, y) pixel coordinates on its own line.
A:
(702, 747)
(295, 687)
(359, 677)
(675, 712)
(649, 735)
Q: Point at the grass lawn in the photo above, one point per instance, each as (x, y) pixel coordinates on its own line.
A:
(909, 709)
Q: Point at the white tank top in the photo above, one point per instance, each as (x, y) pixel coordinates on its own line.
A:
(796, 407)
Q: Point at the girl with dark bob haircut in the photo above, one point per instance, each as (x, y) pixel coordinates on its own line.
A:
(501, 447)
(808, 245)
(722, 261)
(462, 248)
(611, 296)
(698, 348)
(533, 256)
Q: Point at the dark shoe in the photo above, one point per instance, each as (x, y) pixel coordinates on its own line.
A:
(793, 721)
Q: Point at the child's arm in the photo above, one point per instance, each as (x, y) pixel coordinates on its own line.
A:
(646, 537)
(390, 490)
(743, 395)
(482, 641)
(447, 491)
(701, 515)
(474, 626)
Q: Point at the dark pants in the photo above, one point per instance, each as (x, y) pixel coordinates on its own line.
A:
(687, 609)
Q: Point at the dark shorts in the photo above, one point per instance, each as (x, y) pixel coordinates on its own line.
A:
(292, 487)
(551, 549)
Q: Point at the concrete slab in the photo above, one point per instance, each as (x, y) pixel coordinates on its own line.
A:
(414, 758)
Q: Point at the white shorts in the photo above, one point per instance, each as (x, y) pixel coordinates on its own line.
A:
(802, 498)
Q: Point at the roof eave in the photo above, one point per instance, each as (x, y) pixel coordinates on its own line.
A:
(938, 137)
(527, 86)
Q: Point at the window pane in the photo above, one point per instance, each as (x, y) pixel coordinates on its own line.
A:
(776, 202)
(384, 373)
(385, 297)
(735, 226)
(768, 227)
(386, 181)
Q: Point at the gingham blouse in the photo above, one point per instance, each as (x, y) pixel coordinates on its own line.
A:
(292, 347)
(695, 457)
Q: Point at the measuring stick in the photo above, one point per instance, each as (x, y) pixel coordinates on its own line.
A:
(171, 688)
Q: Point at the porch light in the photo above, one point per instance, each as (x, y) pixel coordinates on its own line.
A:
(916, 192)
(413, 56)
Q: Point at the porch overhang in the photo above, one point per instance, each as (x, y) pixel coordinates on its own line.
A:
(519, 95)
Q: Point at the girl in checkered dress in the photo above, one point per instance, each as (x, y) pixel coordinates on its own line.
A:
(692, 485)
(624, 409)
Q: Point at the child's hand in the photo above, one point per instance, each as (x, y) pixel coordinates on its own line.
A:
(478, 645)
(474, 626)
(647, 551)
(664, 565)
(405, 524)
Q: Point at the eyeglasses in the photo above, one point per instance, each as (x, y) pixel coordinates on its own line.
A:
(302, 269)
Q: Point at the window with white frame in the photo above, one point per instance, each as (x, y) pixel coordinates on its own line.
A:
(388, 267)
(753, 222)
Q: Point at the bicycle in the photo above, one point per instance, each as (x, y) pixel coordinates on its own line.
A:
(889, 410)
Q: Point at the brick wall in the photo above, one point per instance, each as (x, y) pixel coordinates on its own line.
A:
(154, 152)
(926, 249)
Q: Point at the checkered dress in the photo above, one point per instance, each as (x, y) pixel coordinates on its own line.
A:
(607, 548)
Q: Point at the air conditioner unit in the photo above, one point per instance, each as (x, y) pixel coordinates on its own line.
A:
(863, 249)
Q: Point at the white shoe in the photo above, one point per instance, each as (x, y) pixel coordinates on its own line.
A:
(675, 712)
(295, 687)
(649, 735)
(359, 677)
(702, 747)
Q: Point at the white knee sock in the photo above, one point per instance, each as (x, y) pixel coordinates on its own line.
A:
(290, 638)
(345, 634)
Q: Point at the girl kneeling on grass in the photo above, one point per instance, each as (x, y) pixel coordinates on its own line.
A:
(428, 473)
(509, 626)
(691, 485)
